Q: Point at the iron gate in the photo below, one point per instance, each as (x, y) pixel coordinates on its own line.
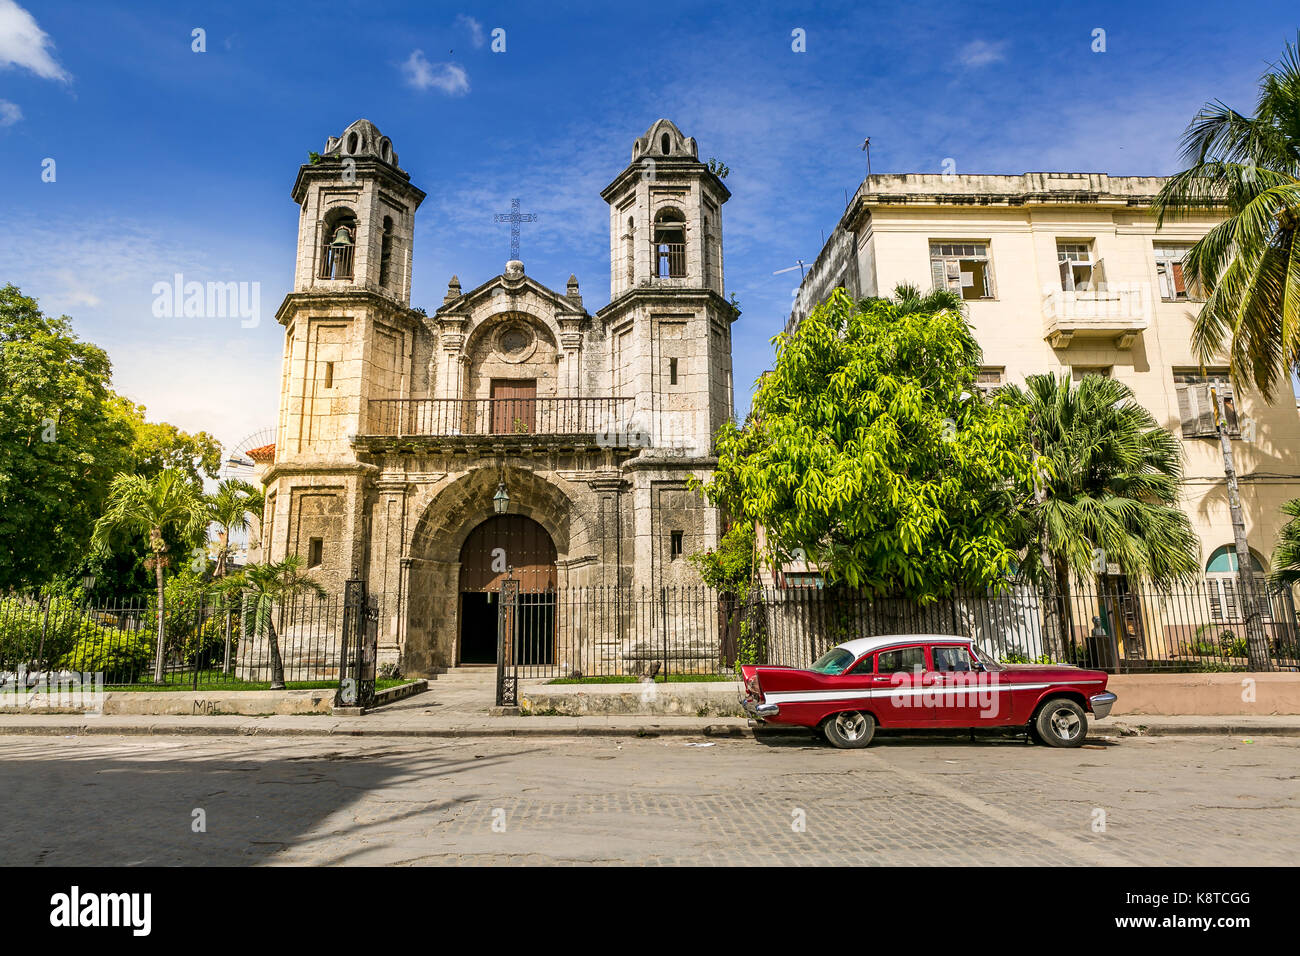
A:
(360, 647)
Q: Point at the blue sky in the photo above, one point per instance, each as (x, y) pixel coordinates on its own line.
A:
(168, 160)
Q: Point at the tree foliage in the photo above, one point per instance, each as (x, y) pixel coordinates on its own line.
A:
(1286, 554)
(871, 449)
(64, 437)
(730, 566)
(159, 445)
(149, 507)
(1109, 482)
(270, 588)
(60, 444)
(1249, 264)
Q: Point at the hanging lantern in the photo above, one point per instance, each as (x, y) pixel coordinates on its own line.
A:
(501, 500)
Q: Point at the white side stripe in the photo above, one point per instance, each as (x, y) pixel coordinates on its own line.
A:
(801, 696)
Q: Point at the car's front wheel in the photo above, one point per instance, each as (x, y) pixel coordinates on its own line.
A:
(850, 729)
(1061, 723)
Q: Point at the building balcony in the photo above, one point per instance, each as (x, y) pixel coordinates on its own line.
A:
(1120, 314)
(542, 422)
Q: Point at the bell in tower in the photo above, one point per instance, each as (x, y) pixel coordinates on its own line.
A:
(358, 217)
(665, 216)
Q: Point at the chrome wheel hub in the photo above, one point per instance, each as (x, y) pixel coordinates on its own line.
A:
(1065, 724)
(851, 726)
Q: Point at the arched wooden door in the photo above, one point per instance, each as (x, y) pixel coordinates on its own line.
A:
(517, 545)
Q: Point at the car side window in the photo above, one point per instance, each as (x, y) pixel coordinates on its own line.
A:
(952, 657)
(901, 659)
(865, 666)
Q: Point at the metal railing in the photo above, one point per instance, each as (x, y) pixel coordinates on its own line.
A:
(449, 417)
(1194, 627)
(336, 262)
(205, 642)
(669, 260)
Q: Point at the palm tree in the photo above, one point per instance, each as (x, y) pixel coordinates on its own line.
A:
(1249, 264)
(909, 299)
(170, 500)
(269, 587)
(230, 508)
(1286, 555)
(1109, 480)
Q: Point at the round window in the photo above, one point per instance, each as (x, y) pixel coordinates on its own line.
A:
(515, 339)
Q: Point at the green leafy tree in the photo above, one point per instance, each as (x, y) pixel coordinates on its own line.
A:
(1286, 554)
(159, 445)
(269, 588)
(729, 568)
(1249, 264)
(230, 507)
(60, 446)
(1108, 488)
(149, 507)
(870, 448)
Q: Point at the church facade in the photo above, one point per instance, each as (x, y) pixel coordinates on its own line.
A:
(512, 432)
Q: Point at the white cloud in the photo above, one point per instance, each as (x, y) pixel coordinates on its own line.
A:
(9, 113)
(979, 53)
(420, 74)
(24, 44)
(475, 28)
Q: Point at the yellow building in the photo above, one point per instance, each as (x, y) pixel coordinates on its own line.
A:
(1067, 272)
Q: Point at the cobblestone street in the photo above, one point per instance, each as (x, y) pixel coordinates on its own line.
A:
(659, 801)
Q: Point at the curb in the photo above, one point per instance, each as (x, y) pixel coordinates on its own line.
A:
(566, 727)
(1194, 729)
(485, 730)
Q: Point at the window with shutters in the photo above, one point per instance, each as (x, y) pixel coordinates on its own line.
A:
(1223, 586)
(962, 267)
(1197, 402)
(1079, 271)
(1169, 272)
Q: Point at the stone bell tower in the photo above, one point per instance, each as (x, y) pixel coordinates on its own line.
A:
(669, 323)
(349, 339)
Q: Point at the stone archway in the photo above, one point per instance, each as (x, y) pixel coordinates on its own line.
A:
(449, 516)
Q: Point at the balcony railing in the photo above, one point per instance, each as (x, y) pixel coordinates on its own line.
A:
(1119, 311)
(336, 263)
(669, 260)
(497, 417)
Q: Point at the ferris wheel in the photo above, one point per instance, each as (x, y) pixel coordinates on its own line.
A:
(237, 463)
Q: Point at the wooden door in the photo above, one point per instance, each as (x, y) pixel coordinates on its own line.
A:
(514, 406)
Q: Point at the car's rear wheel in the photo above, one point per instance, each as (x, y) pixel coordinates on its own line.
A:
(849, 729)
(1061, 723)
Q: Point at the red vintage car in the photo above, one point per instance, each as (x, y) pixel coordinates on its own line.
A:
(928, 681)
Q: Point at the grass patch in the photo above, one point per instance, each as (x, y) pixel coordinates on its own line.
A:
(182, 684)
(630, 679)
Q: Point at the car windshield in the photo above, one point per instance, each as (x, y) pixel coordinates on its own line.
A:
(990, 663)
(833, 661)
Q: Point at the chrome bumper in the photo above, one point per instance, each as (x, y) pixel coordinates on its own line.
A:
(759, 711)
(1101, 704)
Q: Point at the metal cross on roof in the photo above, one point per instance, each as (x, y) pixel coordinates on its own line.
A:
(515, 217)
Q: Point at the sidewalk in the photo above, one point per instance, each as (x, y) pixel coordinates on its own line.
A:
(408, 721)
(458, 704)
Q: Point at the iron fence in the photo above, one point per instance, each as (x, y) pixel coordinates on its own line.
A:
(603, 631)
(204, 642)
(664, 631)
(1112, 627)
